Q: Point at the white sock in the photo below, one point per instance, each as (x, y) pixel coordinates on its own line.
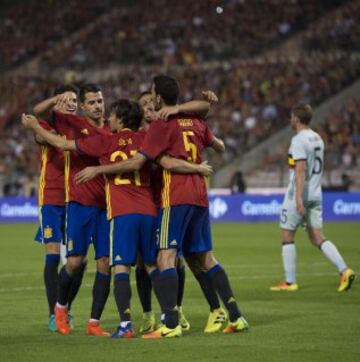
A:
(162, 318)
(289, 262)
(91, 320)
(331, 252)
(61, 306)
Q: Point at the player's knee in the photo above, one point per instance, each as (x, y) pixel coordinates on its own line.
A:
(122, 269)
(53, 248)
(166, 259)
(74, 263)
(150, 268)
(102, 265)
(209, 260)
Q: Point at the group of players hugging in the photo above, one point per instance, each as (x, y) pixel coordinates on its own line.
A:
(135, 187)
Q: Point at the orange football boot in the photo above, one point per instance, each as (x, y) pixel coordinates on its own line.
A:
(61, 320)
(93, 329)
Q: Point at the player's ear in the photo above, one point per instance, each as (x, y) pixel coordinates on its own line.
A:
(158, 99)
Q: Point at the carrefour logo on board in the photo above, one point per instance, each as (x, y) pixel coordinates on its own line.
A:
(257, 209)
(218, 207)
(342, 207)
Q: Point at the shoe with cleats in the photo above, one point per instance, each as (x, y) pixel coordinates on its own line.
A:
(215, 320)
(164, 332)
(240, 325)
(93, 329)
(71, 320)
(52, 323)
(124, 332)
(62, 322)
(285, 287)
(185, 325)
(148, 323)
(346, 279)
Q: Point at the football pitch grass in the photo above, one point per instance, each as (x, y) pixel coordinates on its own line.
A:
(314, 324)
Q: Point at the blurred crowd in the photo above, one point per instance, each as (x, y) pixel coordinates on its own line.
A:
(255, 98)
(147, 32)
(341, 32)
(30, 27)
(200, 31)
(255, 92)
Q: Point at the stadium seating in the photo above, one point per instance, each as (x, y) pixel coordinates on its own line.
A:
(256, 92)
(32, 26)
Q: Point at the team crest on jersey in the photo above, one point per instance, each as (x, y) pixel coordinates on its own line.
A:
(48, 232)
(124, 142)
(70, 245)
(85, 131)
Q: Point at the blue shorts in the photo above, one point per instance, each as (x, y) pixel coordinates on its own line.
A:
(132, 234)
(86, 225)
(52, 224)
(185, 228)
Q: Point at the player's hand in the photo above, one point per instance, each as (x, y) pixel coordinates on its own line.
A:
(210, 96)
(300, 206)
(29, 121)
(86, 174)
(205, 169)
(167, 111)
(62, 100)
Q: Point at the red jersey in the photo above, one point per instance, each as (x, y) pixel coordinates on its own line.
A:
(182, 137)
(51, 182)
(128, 193)
(90, 193)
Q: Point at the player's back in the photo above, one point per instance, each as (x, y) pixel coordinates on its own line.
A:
(187, 136)
(307, 145)
(128, 193)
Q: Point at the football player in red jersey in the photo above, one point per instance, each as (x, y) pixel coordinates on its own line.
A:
(143, 282)
(86, 207)
(184, 222)
(51, 200)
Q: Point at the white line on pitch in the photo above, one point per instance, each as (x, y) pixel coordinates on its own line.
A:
(88, 285)
(226, 266)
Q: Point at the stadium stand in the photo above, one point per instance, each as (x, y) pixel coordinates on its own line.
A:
(256, 92)
(23, 36)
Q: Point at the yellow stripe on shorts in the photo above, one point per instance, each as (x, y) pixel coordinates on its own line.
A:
(164, 235)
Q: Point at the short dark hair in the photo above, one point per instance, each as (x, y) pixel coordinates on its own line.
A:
(66, 88)
(303, 112)
(130, 113)
(88, 88)
(145, 93)
(167, 87)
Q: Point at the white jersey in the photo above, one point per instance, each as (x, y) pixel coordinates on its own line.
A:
(307, 145)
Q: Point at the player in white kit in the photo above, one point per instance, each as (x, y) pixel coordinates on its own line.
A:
(303, 201)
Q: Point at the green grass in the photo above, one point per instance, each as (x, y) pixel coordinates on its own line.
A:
(314, 324)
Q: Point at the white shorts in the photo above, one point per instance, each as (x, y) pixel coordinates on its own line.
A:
(290, 219)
